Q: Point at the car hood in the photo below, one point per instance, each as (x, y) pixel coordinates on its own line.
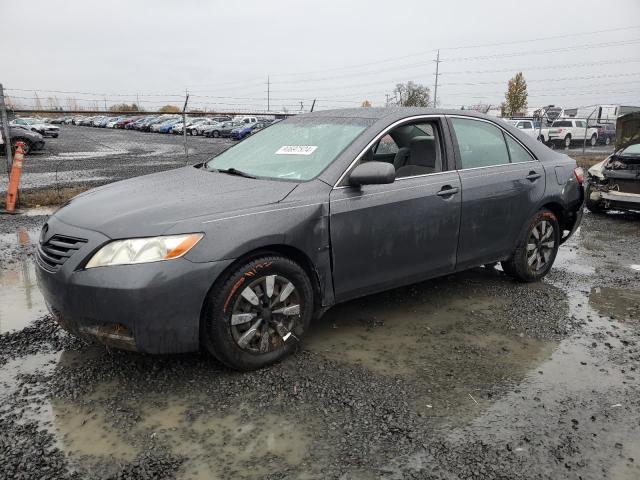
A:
(627, 130)
(151, 204)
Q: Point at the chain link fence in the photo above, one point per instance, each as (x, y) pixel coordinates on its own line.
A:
(69, 153)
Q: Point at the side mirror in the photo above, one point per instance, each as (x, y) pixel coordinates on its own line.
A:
(372, 173)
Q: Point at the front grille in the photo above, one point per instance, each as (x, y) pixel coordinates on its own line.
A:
(626, 186)
(55, 251)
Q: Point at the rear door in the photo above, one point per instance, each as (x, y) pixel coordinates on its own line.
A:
(501, 186)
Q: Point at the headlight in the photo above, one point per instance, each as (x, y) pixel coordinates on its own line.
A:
(144, 250)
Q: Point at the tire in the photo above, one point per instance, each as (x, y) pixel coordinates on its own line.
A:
(607, 141)
(593, 207)
(233, 319)
(594, 140)
(535, 253)
(540, 139)
(567, 141)
(215, 134)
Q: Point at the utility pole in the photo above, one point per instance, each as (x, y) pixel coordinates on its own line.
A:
(268, 94)
(6, 131)
(105, 104)
(138, 102)
(435, 89)
(313, 105)
(184, 124)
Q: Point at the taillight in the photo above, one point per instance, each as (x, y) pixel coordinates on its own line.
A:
(579, 174)
(559, 130)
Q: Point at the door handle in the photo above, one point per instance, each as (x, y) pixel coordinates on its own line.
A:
(447, 191)
(533, 176)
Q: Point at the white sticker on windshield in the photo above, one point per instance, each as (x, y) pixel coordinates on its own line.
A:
(296, 150)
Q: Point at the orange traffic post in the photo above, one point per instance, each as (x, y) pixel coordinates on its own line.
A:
(14, 179)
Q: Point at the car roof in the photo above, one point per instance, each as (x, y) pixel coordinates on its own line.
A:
(392, 113)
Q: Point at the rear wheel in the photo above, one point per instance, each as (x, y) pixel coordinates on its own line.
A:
(567, 141)
(215, 134)
(594, 140)
(535, 254)
(607, 141)
(258, 314)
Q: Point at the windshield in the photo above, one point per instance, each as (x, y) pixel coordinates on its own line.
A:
(632, 150)
(295, 150)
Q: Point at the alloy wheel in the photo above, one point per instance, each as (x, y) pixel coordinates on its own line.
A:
(540, 246)
(265, 314)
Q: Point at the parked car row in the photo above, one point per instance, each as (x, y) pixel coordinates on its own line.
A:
(217, 126)
(566, 131)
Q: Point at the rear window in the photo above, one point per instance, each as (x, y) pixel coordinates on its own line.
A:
(562, 123)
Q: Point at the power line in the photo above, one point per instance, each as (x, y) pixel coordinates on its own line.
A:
(460, 47)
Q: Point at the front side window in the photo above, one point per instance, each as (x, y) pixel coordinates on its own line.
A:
(386, 145)
(291, 150)
(481, 144)
(414, 149)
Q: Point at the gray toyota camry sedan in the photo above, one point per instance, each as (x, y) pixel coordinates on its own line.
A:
(239, 253)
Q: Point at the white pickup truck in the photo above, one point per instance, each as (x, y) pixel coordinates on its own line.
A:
(567, 131)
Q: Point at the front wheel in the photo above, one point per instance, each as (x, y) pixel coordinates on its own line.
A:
(594, 140)
(567, 141)
(535, 254)
(593, 206)
(259, 312)
(607, 141)
(215, 134)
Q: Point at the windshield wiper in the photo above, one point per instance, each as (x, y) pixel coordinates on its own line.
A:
(234, 171)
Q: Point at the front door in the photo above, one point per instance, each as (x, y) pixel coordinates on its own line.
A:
(388, 235)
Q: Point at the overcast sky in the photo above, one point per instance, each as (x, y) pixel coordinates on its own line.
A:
(339, 52)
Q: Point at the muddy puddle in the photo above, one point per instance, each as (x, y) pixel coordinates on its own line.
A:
(20, 299)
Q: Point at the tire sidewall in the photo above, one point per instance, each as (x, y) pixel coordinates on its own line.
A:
(217, 316)
(523, 266)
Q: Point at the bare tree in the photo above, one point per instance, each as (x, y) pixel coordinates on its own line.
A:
(412, 94)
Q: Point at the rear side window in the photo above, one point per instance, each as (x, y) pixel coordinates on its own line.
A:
(481, 144)
(562, 123)
(517, 152)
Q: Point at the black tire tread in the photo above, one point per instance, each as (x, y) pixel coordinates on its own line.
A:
(217, 297)
(514, 266)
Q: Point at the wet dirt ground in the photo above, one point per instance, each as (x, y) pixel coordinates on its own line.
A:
(467, 376)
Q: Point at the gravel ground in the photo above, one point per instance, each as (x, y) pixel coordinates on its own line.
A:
(94, 156)
(467, 376)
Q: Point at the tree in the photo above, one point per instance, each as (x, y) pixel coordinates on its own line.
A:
(366, 104)
(124, 107)
(412, 94)
(169, 109)
(516, 97)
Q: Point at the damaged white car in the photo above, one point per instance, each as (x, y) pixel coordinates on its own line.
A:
(614, 183)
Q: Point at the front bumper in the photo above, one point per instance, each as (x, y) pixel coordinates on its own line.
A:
(621, 200)
(152, 307)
